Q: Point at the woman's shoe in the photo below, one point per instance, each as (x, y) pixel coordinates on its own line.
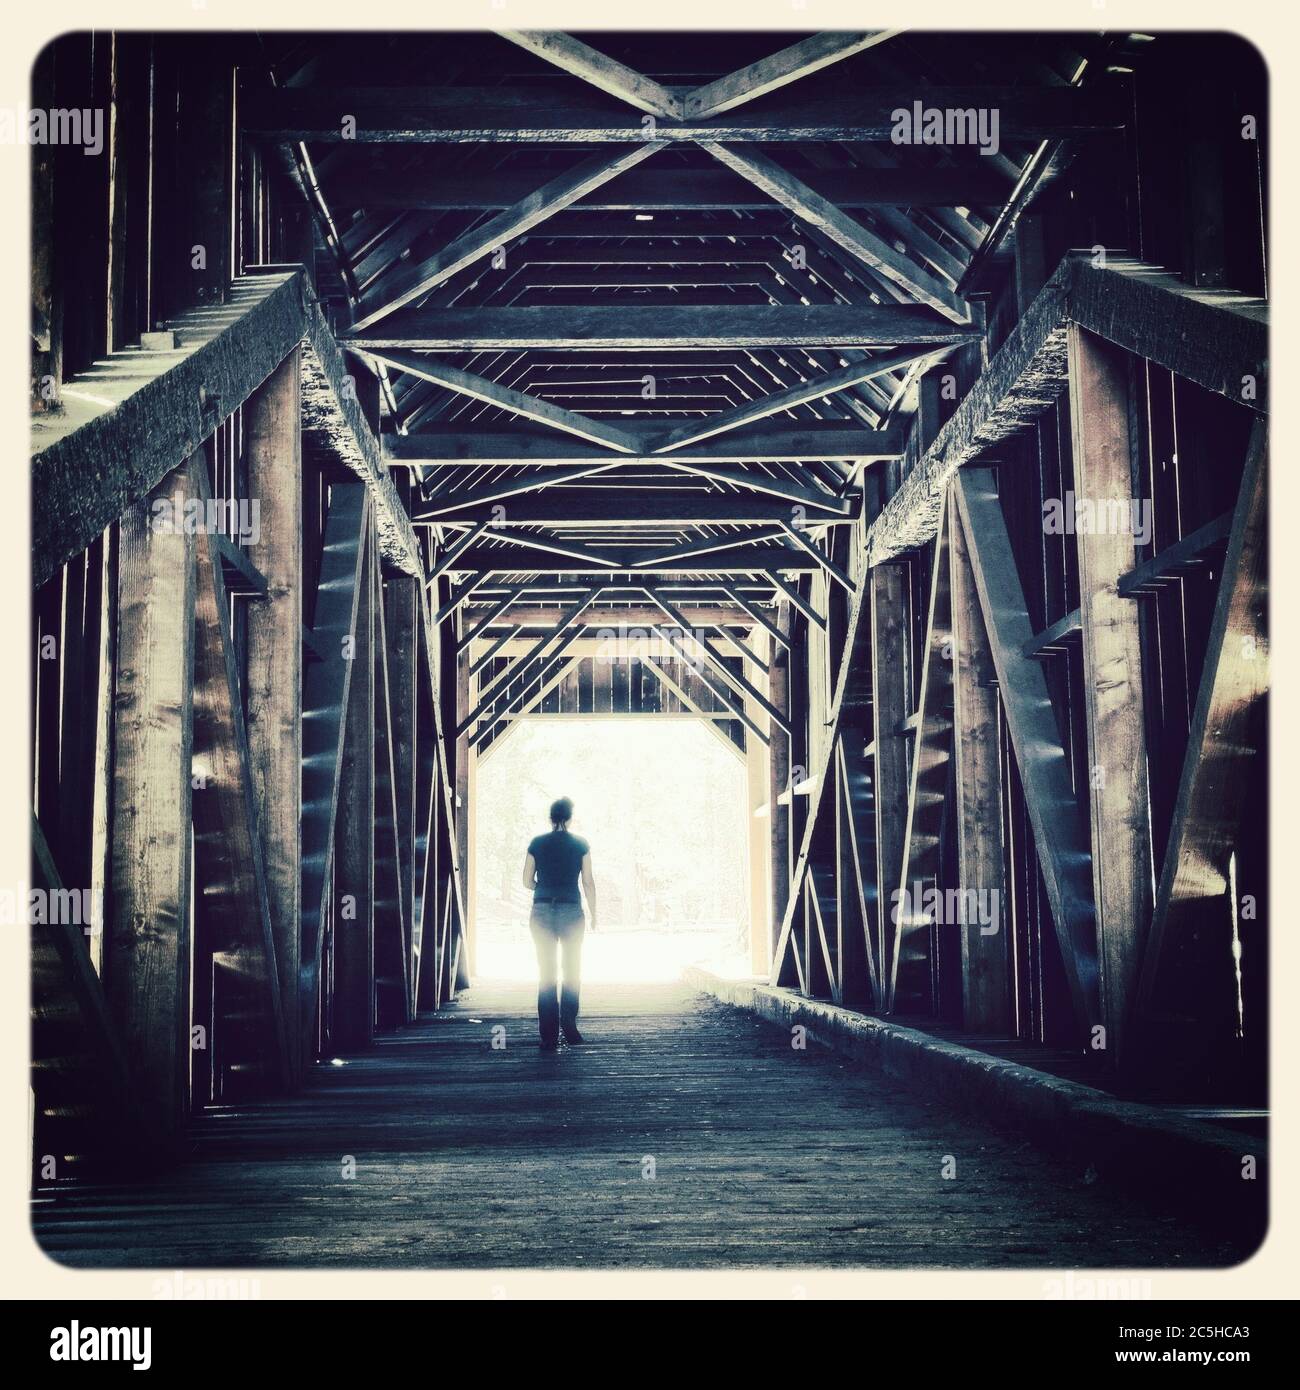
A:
(573, 1037)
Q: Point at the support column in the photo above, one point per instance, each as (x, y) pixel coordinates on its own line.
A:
(354, 834)
(403, 651)
(779, 781)
(273, 682)
(985, 956)
(890, 707)
(757, 777)
(466, 768)
(1112, 675)
(149, 906)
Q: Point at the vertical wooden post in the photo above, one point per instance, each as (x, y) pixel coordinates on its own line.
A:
(463, 801)
(985, 955)
(891, 706)
(354, 842)
(273, 683)
(778, 781)
(403, 651)
(1112, 674)
(757, 778)
(149, 908)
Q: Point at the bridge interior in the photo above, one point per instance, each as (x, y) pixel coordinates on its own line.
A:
(892, 406)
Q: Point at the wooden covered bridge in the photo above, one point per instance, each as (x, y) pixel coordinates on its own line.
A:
(911, 390)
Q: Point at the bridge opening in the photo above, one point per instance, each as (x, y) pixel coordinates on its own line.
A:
(662, 800)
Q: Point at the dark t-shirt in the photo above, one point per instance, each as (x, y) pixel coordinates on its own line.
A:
(558, 856)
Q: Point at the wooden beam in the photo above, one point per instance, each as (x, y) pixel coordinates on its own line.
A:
(449, 554)
(872, 250)
(140, 413)
(473, 115)
(733, 679)
(528, 407)
(734, 710)
(1053, 639)
(796, 493)
(815, 388)
(324, 706)
(662, 190)
(1100, 429)
(985, 955)
(1215, 338)
(148, 951)
(137, 415)
(401, 653)
(789, 65)
(1060, 834)
(631, 505)
(660, 327)
(511, 672)
(406, 282)
(891, 704)
(1224, 739)
(334, 423)
(233, 908)
(440, 446)
(273, 680)
(1174, 561)
(798, 535)
(353, 1013)
(573, 56)
(754, 559)
(913, 967)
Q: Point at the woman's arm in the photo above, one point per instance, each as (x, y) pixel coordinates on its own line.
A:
(530, 872)
(589, 889)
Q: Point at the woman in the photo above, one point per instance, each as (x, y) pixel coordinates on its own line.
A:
(552, 868)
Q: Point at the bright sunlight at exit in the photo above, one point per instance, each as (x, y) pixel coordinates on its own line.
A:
(664, 807)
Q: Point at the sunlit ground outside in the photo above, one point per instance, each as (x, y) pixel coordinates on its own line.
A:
(662, 803)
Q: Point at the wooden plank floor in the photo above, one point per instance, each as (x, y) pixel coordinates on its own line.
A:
(472, 1157)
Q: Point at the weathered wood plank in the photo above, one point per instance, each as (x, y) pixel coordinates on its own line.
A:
(1216, 338)
(233, 910)
(471, 115)
(139, 414)
(438, 446)
(573, 56)
(985, 955)
(632, 506)
(147, 956)
(667, 327)
(407, 282)
(354, 833)
(324, 705)
(526, 406)
(1060, 833)
(663, 190)
(1100, 429)
(1223, 740)
(846, 232)
(815, 388)
(891, 704)
(273, 681)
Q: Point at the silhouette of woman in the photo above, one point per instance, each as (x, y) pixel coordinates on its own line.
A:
(552, 867)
